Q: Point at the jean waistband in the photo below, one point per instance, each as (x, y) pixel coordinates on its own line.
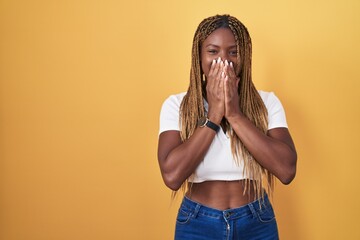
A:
(233, 213)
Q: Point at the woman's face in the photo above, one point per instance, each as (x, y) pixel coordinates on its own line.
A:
(220, 43)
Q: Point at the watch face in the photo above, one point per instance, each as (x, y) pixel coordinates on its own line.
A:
(202, 121)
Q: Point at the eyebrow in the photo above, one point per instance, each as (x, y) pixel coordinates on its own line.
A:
(213, 45)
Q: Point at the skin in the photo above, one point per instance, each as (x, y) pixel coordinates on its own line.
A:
(275, 150)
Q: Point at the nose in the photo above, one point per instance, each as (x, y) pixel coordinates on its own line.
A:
(223, 59)
(224, 56)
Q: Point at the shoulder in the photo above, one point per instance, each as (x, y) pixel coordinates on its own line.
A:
(171, 105)
(269, 98)
(169, 114)
(174, 100)
(276, 113)
(176, 97)
(266, 96)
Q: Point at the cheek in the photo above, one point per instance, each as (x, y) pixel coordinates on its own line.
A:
(205, 66)
(236, 67)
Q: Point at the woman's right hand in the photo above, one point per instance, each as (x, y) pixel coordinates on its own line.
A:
(215, 91)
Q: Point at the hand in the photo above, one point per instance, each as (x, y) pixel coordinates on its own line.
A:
(215, 91)
(231, 91)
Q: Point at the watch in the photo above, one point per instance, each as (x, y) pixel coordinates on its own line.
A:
(204, 121)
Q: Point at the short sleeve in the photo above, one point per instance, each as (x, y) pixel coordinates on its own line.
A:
(169, 114)
(276, 112)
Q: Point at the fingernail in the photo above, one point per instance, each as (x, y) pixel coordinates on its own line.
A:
(213, 61)
(226, 62)
(231, 64)
(219, 60)
(222, 74)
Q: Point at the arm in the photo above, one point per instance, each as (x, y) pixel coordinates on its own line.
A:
(177, 159)
(275, 150)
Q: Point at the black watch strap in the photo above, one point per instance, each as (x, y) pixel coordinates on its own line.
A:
(204, 121)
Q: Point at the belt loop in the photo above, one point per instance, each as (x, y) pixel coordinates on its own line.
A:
(196, 211)
(252, 209)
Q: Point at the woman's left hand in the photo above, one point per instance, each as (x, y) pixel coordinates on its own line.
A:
(231, 92)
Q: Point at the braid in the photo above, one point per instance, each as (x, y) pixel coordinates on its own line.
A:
(250, 103)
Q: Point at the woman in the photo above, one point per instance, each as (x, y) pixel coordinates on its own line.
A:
(223, 139)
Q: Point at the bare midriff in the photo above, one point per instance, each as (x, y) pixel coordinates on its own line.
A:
(221, 195)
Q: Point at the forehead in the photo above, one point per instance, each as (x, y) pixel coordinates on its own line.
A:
(220, 37)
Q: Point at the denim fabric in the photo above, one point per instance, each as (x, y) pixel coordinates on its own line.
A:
(198, 222)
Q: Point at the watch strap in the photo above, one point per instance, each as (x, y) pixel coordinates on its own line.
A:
(212, 125)
(206, 122)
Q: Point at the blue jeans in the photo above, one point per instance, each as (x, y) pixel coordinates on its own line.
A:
(198, 222)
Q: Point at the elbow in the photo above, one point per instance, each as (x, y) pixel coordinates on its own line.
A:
(289, 173)
(172, 182)
(287, 178)
(171, 176)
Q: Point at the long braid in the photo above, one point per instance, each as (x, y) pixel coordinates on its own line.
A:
(250, 103)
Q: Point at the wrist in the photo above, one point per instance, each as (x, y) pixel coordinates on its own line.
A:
(234, 117)
(206, 122)
(215, 118)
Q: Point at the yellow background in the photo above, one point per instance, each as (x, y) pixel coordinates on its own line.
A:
(81, 86)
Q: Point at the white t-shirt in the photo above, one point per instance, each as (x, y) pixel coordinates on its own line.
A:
(218, 163)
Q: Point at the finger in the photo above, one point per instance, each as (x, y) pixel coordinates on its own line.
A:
(212, 75)
(222, 78)
(237, 82)
(226, 67)
(212, 67)
(221, 83)
(219, 69)
(231, 76)
(222, 89)
(216, 66)
(231, 71)
(227, 63)
(227, 88)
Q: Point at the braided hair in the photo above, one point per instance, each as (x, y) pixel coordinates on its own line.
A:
(250, 103)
